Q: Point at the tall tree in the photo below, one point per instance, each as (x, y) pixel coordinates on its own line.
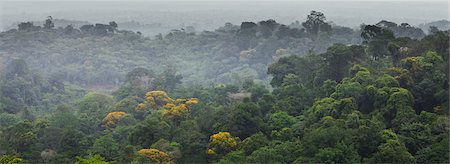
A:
(315, 23)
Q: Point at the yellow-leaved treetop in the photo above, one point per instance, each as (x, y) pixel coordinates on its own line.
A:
(221, 143)
(141, 106)
(179, 108)
(157, 98)
(174, 109)
(192, 101)
(155, 155)
(111, 120)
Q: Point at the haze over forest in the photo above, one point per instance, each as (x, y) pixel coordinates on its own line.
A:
(208, 15)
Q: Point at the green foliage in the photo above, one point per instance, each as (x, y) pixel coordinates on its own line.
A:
(96, 159)
(254, 142)
(92, 108)
(278, 152)
(331, 100)
(20, 138)
(95, 103)
(392, 151)
(7, 120)
(233, 157)
(106, 147)
(149, 131)
(266, 155)
(340, 154)
(315, 23)
(246, 119)
(171, 148)
(435, 153)
(193, 142)
(72, 143)
(64, 118)
(137, 82)
(280, 120)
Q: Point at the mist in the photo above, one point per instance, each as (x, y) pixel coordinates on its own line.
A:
(207, 15)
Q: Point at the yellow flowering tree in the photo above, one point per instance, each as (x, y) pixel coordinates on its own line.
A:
(222, 143)
(155, 155)
(111, 120)
(11, 159)
(179, 108)
(157, 98)
(172, 109)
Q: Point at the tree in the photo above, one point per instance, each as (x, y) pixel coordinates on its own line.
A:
(427, 74)
(377, 38)
(276, 152)
(222, 143)
(11, 159)
(368, 138)
(69, 29)
(113, 24)
(92, 108)
(247, 34)
(266, 155)
(342, 153)
(193, 142)
(280, 120)
(136, 83)
(95, 159)
(155, 99)
(155, 155)
(64, 118)
(323, 137)
(435, 153)
(292, 97)
(106, 147)
(254, 142)
(27, 26)
(171, 148)
(174, 110)
(111, 120)
(149, 131)
(315, 23)
(416, 136)
(21, 138)
(433, 30)
(246, 119)
(266, 28)
(233, 157)
(394, 52)
(95, 104)
(303, 67)
(20, 87)
(402, 30)
(7, 120)
(168, 79)
(392, 151)
(339, 58)
(17, 68)
(49, 23)
(179, 109)
(72, 143)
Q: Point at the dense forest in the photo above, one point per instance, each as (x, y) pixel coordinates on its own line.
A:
(259, 92)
